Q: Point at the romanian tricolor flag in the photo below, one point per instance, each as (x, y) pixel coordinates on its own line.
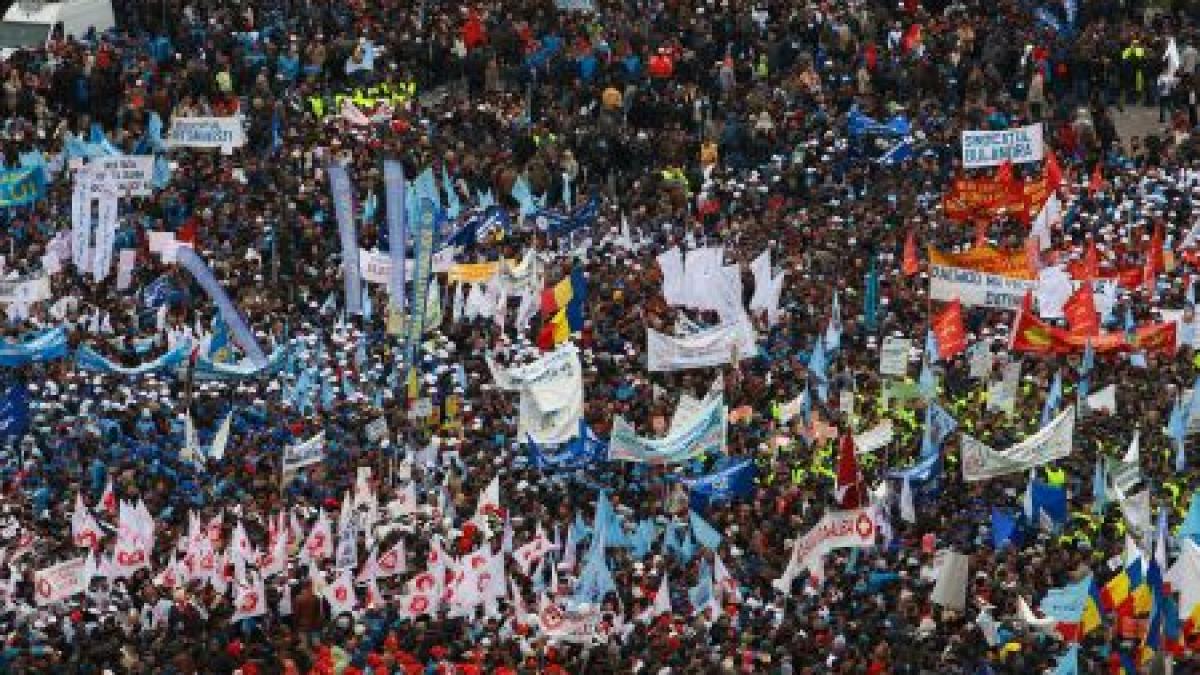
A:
(1091, 610)
(562, 308)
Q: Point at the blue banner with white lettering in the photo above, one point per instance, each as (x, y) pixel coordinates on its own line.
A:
(14, 411)
(733, 481)
(558, 223)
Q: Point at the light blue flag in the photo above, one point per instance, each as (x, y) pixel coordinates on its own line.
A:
(522, 193)
(485, 199)
(595, 581)
(1177, 431)
(566, 192)
(368, 310)
(1190, 527)
(926, 382)
(1069, 663)
(326, 394)
(940, 422)
(1053, 399)
(833, 332)
(1066, 604)
(931, 345)
(705, 534)
(818, 364)
(701, 594)
(643, 539)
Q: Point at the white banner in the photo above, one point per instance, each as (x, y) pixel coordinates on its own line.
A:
(81, 224)
(856, 528)
(873, 439)
(552, 402)
(225, 133)
(993, 148)
(700, 433)
(893, 356)
(711, 347)
(25, 291)
(57, 583)
(977, 289)
(106, 236)
(123, 175)
(375, 266)
(309, 452)
(1002, 394)
(1051, 442)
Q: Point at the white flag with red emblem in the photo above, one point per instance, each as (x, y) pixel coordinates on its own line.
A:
(249, 600)
(530, 554)
(319, 544)
(340, 594)
(85, 531)
(392, 562)
(726, 584)
(128, 557)
(489, 501)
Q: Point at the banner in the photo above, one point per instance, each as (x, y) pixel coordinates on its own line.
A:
(982, 198)
(299, 456)
(856, 528)
(1051, 442)
(22, 187)
(422, 262)
(552, 401)
(106, 236)
(225, 133)
(229, 313)
(873, 439)
(88, 359)
(343, 205)
(710, 347)
(735, 480)
(1032, 335)
(124, 175)
(61, 581)
(893, 356)
(977, 289)
(993, 148)
(1013, 264)
(207, 369)
(14, 411)
(47, 345)
(397, 224)
(26, 291)
(704, 434)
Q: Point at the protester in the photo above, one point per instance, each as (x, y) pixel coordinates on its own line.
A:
(523, 337)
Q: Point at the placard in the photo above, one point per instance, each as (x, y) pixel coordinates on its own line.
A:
(993, 148)
(893, 356)
(122, 174)
(225, 133)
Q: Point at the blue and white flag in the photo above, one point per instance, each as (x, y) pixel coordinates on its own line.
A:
(941, 423)
(47, 345)
(1053, 399)
(14, 411)
(207, 369)
(703, 435)
(343, 206)
(397, 227)
(558, 223)
(88, 359)
(233, 318)
(731, 482)
(479, 224)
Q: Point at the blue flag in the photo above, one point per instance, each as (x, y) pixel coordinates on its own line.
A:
(871, 297)
(731, 482)
(1050, 500)
(1191, 523)
(1069, 663)
(1004, 529)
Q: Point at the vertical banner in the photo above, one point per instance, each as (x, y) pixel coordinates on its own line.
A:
(229, 313)
(343, 205)
(423, 262)
(81, 224)
(106, 235)
(397, 223)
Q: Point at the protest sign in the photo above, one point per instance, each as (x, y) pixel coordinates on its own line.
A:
(707, 348)
(61, 581)
(304, 454)
(873, 439)
(977, 289)
(26, 291)
(856, 528)
(704, 433)
(121, 174)
(1051, 442)
(225, 133)
(893, 356)
(992, 148)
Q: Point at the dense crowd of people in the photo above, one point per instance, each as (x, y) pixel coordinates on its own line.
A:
(594, 138)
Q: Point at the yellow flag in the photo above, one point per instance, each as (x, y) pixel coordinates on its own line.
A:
(562, 329)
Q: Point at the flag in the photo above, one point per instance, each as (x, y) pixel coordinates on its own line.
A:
(1096, 183)
(661, 604)
(848, 488)
(1052, 172)
(1004, 529)
(1118, 589)
(221, 439)
(1080, 312)
(948, 326)
(912, 38)
(911, 264)
(705, 534)
(1099, 487)
(1053, 399)
(1190, 528)
(871, 296)
(733, 481)
(833, 332)
(1068, 664)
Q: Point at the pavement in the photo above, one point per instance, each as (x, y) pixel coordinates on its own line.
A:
(1139, 121)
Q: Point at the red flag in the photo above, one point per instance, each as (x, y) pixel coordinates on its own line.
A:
(1004, 176)
(1033, 254)
(1096, 184)
(948, 327)
(911, 39)
(911, 265)
(108, 500)
(474, 34)
(1080, 311)
(848, 489)
(1053, 172)
(1091, 261)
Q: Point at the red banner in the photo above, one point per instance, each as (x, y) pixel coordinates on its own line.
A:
(983, 198)
(1034, 336)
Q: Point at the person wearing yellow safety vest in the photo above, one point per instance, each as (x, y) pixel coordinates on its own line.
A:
(1133, 70)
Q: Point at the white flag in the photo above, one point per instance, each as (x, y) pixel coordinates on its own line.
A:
(221, 439)
(249, 600)
(340, 594)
